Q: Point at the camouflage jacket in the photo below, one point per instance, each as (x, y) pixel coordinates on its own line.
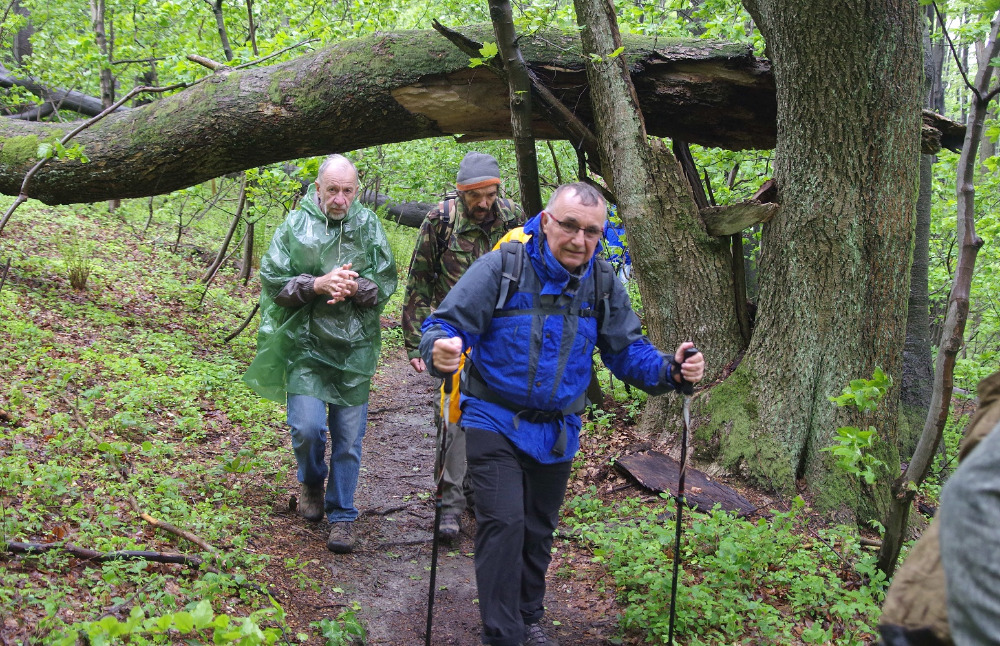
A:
(436, 267)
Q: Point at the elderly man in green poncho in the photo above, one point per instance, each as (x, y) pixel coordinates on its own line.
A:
(325, 279)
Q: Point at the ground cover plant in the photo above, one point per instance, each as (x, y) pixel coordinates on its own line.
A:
(120, 403)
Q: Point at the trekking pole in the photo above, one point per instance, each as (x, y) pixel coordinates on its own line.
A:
(687, 388)
(446, 387)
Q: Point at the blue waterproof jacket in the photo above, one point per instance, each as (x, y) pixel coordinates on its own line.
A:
(539, 362)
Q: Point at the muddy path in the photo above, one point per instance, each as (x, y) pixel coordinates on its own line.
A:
(389, 572)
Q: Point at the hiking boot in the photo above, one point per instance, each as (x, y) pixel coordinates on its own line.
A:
(534, 635)
(341, 539)
(311, 501)
(449, 527)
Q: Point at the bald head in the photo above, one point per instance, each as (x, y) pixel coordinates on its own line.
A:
(336, 186)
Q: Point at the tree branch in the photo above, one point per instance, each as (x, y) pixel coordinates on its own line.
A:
(22, 196)
(173, 529)
(93, 556)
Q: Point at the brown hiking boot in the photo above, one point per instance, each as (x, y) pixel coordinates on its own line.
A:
(449, 527)
(311, 501)
(341, 539)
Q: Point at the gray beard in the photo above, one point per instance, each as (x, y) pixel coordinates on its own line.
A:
(330, 216)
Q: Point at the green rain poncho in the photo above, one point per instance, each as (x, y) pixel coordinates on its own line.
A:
(324, 351)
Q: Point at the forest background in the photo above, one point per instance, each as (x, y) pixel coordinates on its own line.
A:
(76, 52)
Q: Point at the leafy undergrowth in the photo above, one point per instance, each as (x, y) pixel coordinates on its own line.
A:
(121, 409)
(742, 582)
(784, 576)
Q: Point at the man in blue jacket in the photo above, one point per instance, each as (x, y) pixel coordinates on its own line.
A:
(532, 335)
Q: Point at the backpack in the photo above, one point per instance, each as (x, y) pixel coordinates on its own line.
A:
(512, 262)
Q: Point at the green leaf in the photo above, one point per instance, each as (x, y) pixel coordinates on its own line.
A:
(203, 614)
(489, 50)
(45, 151)
(184, 621)
(617, 52)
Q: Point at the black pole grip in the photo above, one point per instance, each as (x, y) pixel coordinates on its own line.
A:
(686, 386)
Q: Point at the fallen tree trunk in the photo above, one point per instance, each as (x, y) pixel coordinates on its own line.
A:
(387, 88)
(409, 214)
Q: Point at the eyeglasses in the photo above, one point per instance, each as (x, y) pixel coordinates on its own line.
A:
(570, 227)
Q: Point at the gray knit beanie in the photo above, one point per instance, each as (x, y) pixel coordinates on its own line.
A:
(477, 170)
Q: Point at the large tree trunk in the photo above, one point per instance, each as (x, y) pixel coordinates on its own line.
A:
(918, 364)
(387, 88)
(684, 274)
(834, 269)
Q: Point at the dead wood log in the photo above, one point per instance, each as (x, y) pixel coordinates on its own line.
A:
(733, 218)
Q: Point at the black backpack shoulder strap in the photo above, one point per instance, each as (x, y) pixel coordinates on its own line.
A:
(511, 262)
(603, 275)
(444, 227)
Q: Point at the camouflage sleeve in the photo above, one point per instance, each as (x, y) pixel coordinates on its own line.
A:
(417, 301)
(519, 215)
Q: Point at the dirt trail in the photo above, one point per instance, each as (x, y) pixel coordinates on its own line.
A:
(389, 573)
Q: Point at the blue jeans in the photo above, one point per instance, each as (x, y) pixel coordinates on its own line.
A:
(309, 419)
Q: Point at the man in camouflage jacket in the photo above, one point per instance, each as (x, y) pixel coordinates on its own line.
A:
(451, 238)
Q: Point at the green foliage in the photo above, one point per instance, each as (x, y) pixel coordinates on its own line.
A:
(197, 623)
(864, 394)
(57, 150)
(346, 629)
(852, 447)
(486, 53)
(77, 258)
(742, 581)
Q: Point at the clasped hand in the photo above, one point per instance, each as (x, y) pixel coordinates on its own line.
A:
(339, 284)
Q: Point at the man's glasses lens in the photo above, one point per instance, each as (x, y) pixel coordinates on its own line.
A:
(591, 233)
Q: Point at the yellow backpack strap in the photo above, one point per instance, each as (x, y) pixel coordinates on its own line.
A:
(514, 235)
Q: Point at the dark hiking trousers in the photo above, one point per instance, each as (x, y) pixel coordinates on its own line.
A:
(517, 509)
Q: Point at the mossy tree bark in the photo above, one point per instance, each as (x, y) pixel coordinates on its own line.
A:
(834, 269)
(684, 274)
